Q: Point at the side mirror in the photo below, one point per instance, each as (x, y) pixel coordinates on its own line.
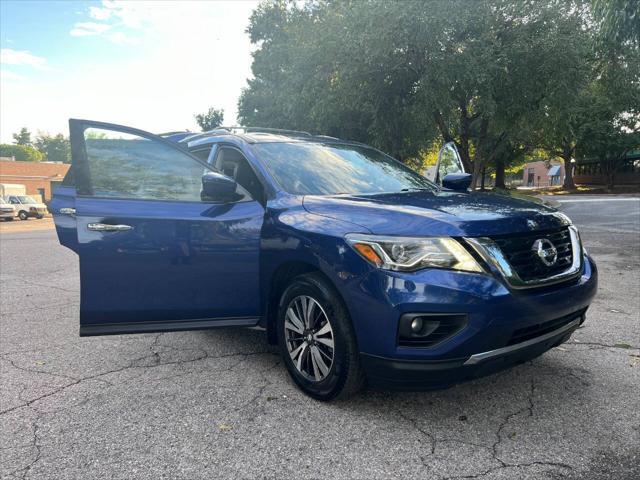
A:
(217, 187)
(459, 182)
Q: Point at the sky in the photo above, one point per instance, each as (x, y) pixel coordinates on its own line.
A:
(147, 64)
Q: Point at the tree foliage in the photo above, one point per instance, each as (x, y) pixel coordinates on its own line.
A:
(499, 78)
(54, 148)
(619, 19)
(23, 137)
(21, 153)
(211, 119)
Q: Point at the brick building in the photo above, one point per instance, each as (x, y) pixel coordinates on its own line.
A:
(39, 178)
(542, 174)
(589, 171)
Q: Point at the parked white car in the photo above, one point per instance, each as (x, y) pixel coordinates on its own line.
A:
(26, 206)
(7, 211)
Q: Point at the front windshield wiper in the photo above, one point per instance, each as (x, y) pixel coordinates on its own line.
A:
(417, 189)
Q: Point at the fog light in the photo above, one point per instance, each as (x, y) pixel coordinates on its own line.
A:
(428, 329)
(416, 324)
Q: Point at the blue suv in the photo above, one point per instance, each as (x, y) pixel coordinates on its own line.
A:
(360, 269)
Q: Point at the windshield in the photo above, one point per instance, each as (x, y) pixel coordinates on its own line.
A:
(329, 169)
(25, 199)
(3, 201)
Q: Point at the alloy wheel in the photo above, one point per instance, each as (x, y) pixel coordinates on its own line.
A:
(309, 338)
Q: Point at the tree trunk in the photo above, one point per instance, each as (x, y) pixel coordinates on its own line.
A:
(484, 171)
(611, 180)
(568, 183)
(463, 150)
(478, 161)
(500, 174)
(465, 135)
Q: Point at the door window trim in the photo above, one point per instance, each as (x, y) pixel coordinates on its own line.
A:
(218, 148)
(81, 174)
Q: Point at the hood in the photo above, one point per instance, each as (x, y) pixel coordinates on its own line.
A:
(437, 213)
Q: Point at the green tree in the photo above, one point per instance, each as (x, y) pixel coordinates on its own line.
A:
(396, 74)
(619, 19)
(23, 137)
(21, 153)
(54, 148)
(599, 104)
(612, 127)
(211, 119)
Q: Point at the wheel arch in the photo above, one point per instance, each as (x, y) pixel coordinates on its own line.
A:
(279, 281)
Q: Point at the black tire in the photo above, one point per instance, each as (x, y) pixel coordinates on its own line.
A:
(39, 217)
(345, 376)
(9, 219)
(22, 215)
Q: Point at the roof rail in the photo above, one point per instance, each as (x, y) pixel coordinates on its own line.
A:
(328, 137)
(240, 130)
(168, 134)
(208, 133)
(275, 130)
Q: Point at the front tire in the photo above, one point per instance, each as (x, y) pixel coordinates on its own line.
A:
(317, 340)
(22, 215)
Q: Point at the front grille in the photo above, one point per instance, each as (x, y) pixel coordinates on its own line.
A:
(523, 334)
(517, 249)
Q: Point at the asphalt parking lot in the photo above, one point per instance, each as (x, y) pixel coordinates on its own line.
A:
(219, 404)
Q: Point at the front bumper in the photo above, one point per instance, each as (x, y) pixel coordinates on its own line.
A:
(495, 313)
(415, 374)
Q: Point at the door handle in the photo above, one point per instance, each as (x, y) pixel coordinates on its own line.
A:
(67, 211)
(105, 227)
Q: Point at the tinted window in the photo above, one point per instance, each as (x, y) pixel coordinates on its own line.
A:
(129, 166)
(232, 163)
(202, 153)
(326, 169)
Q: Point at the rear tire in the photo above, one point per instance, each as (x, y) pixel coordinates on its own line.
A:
(320, 371)
(39, 217)
(22, 215)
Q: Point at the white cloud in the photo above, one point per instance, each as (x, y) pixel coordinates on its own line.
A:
(189, 56)
(84, 29)
(120, 38)
(7, 76)
(22, 57)
(99, 13)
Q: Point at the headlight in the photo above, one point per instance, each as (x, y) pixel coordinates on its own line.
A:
(408, 254)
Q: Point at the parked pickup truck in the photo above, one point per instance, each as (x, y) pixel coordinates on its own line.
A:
(360, 269)
(27, 207)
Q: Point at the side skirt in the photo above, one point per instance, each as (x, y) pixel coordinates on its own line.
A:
(167, 326)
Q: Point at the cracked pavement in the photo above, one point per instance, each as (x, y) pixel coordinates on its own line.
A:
(219, 404)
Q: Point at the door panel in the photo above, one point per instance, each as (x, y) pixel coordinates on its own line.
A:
(179, 261)
(63, 207)
(153, 256)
